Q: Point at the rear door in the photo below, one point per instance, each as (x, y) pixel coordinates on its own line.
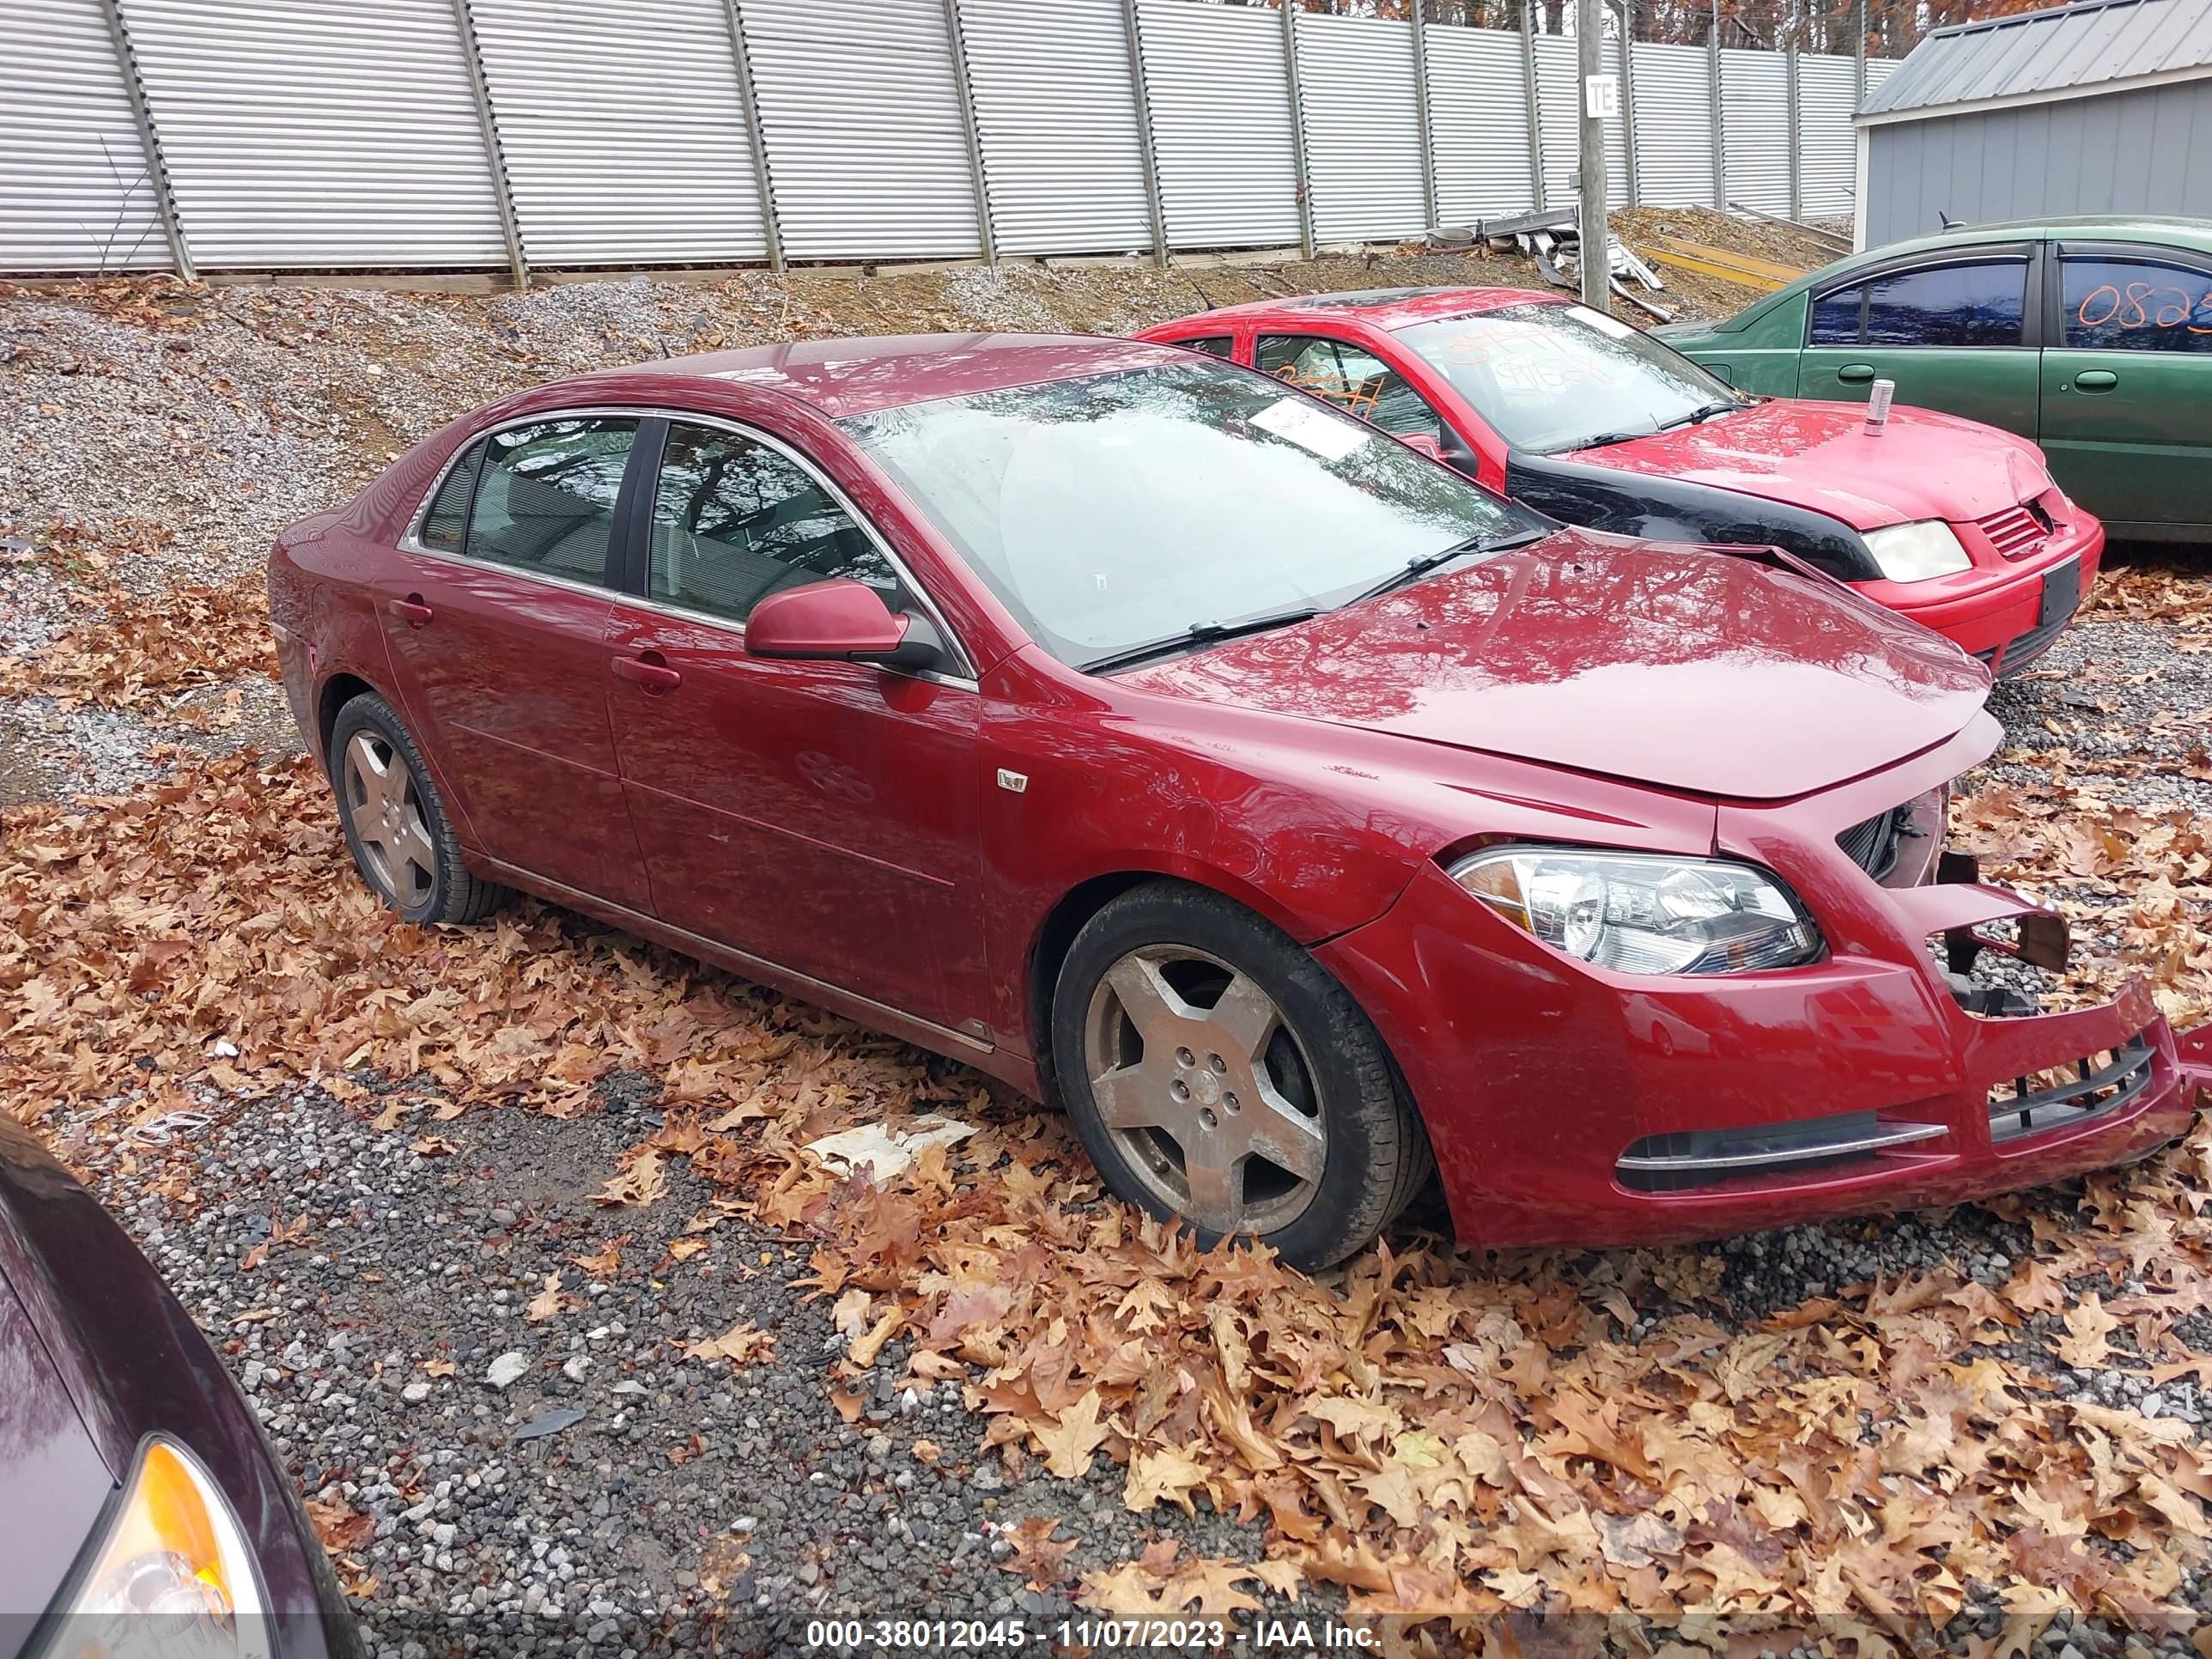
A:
(1957, 332)
(496, 623)
(823, 816)
(2127, 384)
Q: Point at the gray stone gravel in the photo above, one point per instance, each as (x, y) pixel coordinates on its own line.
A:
(2114, 691)
(592, 1536)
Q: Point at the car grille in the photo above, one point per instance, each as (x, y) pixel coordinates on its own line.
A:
(1686, 1159)
(2025, 648)
(2093, 1086)
(1873, 845)
(2014, 531)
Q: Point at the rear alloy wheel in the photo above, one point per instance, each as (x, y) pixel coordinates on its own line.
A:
(386, 815)
(1219, 1073)
(395, 822)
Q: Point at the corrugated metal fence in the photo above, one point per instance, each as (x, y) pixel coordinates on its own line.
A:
(227, 135)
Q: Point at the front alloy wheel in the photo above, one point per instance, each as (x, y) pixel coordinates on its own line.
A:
(1220, 1074)
(1205, 1090)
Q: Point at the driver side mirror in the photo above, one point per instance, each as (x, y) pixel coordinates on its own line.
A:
(1426, 442)
(840, 621)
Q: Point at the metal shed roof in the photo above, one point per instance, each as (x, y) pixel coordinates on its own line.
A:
(2066, 52)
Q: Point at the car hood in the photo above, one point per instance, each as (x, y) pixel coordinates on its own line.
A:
(1676, 666)
(1921, 465)
(53, 1482)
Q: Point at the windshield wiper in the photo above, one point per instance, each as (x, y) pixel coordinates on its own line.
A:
(1202, 632)
(1704, 412)
(1423, 563)
(1600, 441)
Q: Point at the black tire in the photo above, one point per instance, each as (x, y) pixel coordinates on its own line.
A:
(1376, 1157)
(449, 893)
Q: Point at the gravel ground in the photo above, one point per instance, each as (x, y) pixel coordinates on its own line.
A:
(615, 1494)
(565, 1479)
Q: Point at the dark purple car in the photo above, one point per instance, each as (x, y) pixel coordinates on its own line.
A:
(140, 1509)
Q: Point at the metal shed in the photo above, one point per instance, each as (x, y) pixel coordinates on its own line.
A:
(2102, 106)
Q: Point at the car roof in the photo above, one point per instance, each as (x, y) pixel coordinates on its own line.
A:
(2173, 231)
(1388, 309)
(845, 377)
(2126, 227)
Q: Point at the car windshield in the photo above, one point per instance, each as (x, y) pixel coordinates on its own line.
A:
(1551, 377)
(1118, 509)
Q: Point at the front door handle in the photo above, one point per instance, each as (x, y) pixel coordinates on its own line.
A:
(2095, 379)
(1856, 374)
(649, 671)
(412, 611)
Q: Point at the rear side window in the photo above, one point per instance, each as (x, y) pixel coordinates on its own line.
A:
(2135, 305)
(443, 525)
(1836, 317)
(546, 498)
(735, 520)
(1356, 380)
(1970, 305)
(1213, 345)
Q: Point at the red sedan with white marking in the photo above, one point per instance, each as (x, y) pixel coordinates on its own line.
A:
(1953, 523)
(1173, 745)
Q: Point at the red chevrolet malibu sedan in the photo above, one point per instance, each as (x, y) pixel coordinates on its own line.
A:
(1955, 524)
(1175, 746)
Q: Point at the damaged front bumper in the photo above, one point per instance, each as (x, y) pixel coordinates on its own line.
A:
(1569, 1104)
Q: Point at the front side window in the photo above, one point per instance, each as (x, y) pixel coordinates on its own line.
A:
(1213, 345)
(1837, 319)
(735, 520)
(1355, 381)
(2135, 305)
(1972, 304)
(545, 500)
(1550, 377)
(1118, 509)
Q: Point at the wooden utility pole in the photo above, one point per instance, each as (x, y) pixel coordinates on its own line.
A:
(1599, 92)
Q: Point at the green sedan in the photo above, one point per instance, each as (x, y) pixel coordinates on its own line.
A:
(2093, 337)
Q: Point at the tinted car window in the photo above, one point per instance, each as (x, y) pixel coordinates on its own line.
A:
(734, 520)
(2136, 305)
(444, 524)
(1835, 318)
(1551, 377)
(1114, 510)
(546, 500)
(1357, 381)
(1213, 345)
(1976, 305)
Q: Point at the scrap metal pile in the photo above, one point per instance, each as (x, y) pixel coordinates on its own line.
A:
(1552, 237)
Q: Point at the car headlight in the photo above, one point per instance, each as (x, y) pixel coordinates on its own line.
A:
(1914, 552)
(172, 1576)
(1638, 913)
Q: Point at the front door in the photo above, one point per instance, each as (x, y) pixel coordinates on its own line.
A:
(1953, 336)
(820, 814)
(496, 623)
(1356, 379)
(2127, 387)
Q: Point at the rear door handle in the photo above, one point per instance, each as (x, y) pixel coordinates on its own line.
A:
(411, 611)
(656, 676)
(2095, 379)
(1856, 374)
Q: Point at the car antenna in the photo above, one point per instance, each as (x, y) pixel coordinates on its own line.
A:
(1945, 219)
